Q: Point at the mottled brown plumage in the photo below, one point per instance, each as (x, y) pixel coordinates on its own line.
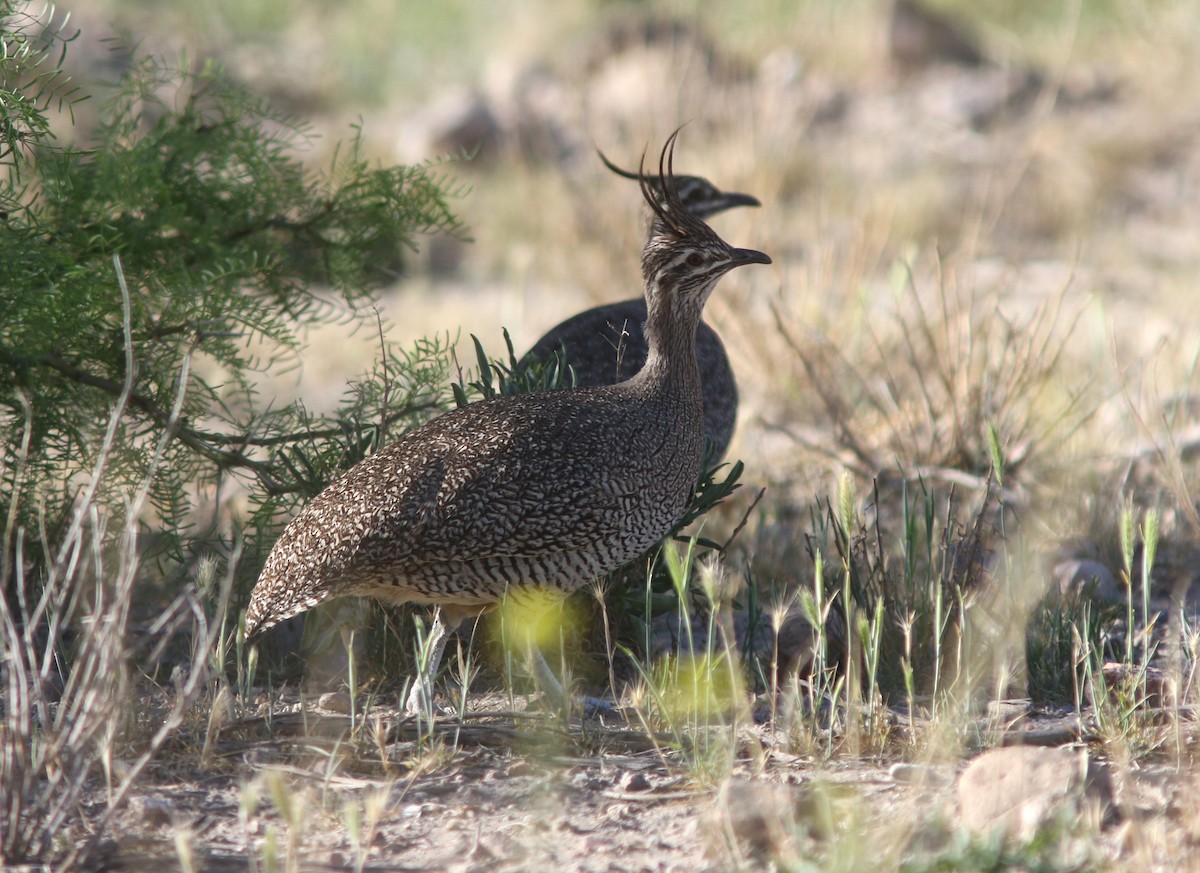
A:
(606, 344)
(548, 490)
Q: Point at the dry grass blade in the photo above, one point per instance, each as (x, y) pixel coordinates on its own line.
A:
(820, 359)
(921, 390)
(75, 634)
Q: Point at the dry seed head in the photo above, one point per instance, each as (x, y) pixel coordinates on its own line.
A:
(847, 501)
(718, 585)
(779, 612)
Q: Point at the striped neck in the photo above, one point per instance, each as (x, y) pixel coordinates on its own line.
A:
(671, 323)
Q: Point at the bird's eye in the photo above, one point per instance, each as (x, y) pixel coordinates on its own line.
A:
(695, 259)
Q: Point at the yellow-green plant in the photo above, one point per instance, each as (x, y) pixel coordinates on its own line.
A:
(695, 694)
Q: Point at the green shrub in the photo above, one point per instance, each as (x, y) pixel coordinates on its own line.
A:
(192, 196)
(147, 284)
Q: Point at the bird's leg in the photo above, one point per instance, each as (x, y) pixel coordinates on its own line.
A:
(446, 619)
(547, 681)
(554, 691)
(429, 658)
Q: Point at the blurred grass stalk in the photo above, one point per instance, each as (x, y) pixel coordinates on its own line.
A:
(694, 695)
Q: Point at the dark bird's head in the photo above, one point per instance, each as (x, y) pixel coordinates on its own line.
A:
(696, 194)
(684, 257)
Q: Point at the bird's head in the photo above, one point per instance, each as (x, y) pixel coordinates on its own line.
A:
(697, 195)
(684, 257)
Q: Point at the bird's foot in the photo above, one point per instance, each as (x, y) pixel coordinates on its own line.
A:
(559, 699)
(422, 703)
(595, 707)
(583, 707)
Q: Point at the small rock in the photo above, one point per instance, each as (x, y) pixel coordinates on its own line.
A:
(1053, 735)
(154, 810)
(637, 782)
(521, 767)
(919, 774)
(588, 781)
(262, 756)
(1019, 789)
(1009, 713)
(335, 701)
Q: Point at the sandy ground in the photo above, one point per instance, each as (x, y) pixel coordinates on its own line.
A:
(531, 794)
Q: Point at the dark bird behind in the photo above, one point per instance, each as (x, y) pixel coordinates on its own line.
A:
(548, 490)
(606, 344)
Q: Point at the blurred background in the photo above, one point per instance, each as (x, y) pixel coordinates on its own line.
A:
(979, 214)
(969, 415)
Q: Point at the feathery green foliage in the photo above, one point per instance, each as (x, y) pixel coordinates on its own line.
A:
(31, 82)
(148, 284)
(192, 195)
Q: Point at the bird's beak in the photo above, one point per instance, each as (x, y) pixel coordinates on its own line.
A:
(741, 257)
(730, 199)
